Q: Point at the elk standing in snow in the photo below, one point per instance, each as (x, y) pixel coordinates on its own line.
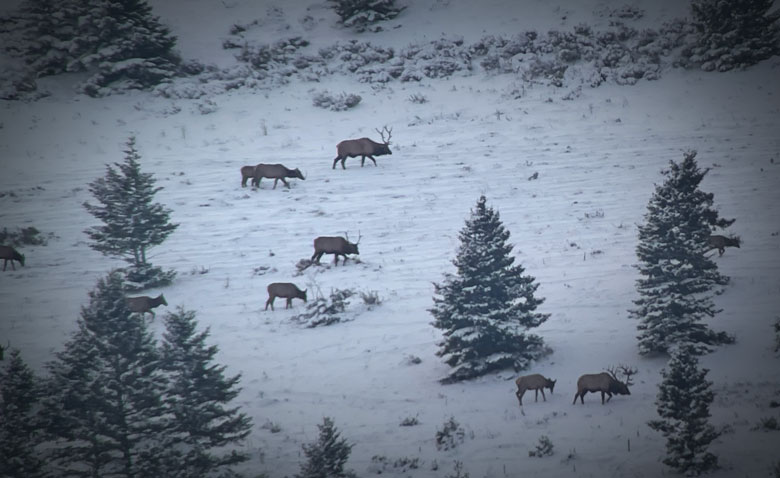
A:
(363, 147)
(338, 246)
(285, 290)
(144, 304)
(722, 242)
(10, 254)
(604, 382)
(533, 382)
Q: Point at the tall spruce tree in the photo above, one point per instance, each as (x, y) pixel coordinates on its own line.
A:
(132, 221)
(199, 396)
(733, 33)
(678, 278)
(327, 457)
(20, 427)
(485, 308)
(683, 403)
(106, 412)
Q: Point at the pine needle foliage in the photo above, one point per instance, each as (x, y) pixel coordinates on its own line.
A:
(678, 279)
(199, 397)
(487, 306)
(20, 427)
(105, 413)
(327, 456)
(733, 33)
(132, 221)
(683, 404)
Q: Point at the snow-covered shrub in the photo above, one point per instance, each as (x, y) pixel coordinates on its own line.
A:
(131, 74)
(327, 456)
(206, 106)
(732, 34)
(626, 12)
(409, 422)
(439, 58)
(24, 236)
(341, 102)
(322, 311)
(370, 298)
(543, 448)
(361, 14)
(450, 435)
(418, 98)
(19, 85)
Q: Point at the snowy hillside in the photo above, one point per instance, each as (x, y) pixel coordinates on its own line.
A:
(598, 155)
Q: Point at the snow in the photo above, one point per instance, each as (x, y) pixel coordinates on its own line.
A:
(597, 155)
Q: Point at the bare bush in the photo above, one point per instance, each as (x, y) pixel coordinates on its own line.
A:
(543, 448)
(450, 435)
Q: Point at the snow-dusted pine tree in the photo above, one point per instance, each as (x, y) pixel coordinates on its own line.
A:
(326, 457)
(678, 279)
(205, 428)
(361, 14)
(105, 410)
(20, 427)
(733, 33)
(486, 307)
(683, 403)
(132, 221)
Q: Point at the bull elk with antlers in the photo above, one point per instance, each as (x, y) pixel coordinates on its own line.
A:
(336, 245)
(363, 147)
(604, 382)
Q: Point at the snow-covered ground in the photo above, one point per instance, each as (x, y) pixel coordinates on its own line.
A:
(597, 156)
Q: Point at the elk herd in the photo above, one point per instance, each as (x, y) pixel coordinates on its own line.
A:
(607, 383)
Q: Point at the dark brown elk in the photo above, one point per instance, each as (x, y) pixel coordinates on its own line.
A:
(10, 254)
(363, 147)
(722, 242)
(247, 172)
(277, 172)
(533, 382)
(285, 290)
(143, 304)
(338, 246)
(605, 382)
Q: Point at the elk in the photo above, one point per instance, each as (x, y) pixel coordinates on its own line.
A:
(722, 242)
(10, 254)
(604, 382)
(336, 245)
(533, 382)
(144, 304)
(277, 172)
(363, 147)
(247, 172)
(286, 290)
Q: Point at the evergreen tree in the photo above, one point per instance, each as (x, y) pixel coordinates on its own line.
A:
(486, 306)
(198, 395)
(20, 428)
(678, 279)
(683, 403)
(132, 222)
(327, 456)
(106, 413)
(733, 33)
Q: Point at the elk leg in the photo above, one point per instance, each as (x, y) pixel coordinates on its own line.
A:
(275, 181)
(372, 159)
(609, 396)
(543, 397)
(243, 181)
(289, 303)
(286, 184)
(5, 264)
(362, 161)
(270, 302)
(536, 395)
(336, 161)
(520, 396)
(602, 398)
(575, 398)
(721, 251)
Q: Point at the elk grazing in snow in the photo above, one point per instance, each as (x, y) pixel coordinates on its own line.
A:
(604, 382)
(363, 147)
(277, 172)
(285, 290)
(533, 382)
(722, 242)
(144, 304)
(8, 253)
(336, 245)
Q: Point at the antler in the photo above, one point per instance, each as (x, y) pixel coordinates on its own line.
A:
(382, 133)
(359, 236)
(628, 372)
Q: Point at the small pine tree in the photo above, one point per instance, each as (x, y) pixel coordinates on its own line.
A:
(485, 308)
(683, 404)
(327, 456)
(678, 279)
(198, 395)
(132, 222)
(733, 33)
(105, 411)
(360, 14)
(20, 428)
